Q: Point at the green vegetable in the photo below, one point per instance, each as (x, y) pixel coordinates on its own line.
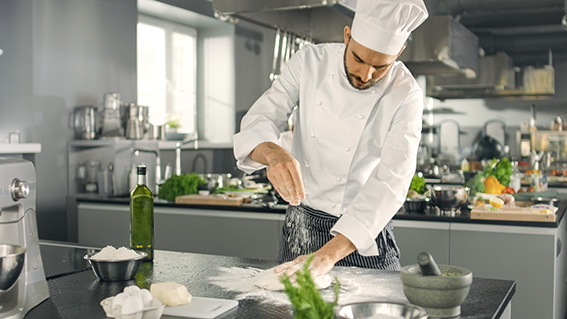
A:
(306, 299)
(501, 169)
(180, 185)
(476, 184)
(418, 183)
(231, 189)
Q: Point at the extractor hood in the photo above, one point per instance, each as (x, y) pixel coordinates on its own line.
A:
(441, 45)
(496, 77)
(318, 20)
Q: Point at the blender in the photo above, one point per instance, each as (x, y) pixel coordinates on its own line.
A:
(22, 277)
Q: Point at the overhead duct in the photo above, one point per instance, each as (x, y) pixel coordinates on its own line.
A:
(441, 45)
(319, 20)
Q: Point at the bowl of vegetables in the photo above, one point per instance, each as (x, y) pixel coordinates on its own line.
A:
(417, 198)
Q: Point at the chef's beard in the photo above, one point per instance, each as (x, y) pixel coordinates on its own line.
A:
(352, 78)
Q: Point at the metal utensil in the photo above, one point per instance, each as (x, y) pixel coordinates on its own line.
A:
(115, 270)
(374, 309)
(11, 264)
(273, 75)
(283, 50)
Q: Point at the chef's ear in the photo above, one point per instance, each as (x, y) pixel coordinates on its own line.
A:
(347, 34)
(402, 49)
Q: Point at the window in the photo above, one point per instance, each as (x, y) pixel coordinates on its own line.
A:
(167, 74)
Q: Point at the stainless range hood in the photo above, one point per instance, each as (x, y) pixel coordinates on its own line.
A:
(318, 20)
(496, 77)
(441, 45)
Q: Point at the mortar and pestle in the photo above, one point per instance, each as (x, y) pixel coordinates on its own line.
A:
(440, 289)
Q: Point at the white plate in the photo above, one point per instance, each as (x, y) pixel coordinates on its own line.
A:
(201, 307)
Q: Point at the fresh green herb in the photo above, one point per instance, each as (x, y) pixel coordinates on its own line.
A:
(180, 185)
(306, 299)
(418, 183)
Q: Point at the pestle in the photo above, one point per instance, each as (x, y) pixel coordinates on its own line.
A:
(428, 265)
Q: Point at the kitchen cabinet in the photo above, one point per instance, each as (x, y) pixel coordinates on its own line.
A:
(532, 256)
(223, 232)
(414, 237)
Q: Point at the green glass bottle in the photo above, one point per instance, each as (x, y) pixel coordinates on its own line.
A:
(142, 216)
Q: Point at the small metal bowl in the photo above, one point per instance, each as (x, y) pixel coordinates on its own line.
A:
(374, 309)
(115, 270)
(11, 263)
(416, 205)
(449, 196)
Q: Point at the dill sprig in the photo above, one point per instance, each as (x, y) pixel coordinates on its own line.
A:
(306, 299)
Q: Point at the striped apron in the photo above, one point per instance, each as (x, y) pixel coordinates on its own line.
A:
(305, 230)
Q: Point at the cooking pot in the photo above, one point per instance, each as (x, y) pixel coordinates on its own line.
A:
(488, 147)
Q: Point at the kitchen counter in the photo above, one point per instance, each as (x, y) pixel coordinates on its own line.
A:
(75, 292)
(401, 215)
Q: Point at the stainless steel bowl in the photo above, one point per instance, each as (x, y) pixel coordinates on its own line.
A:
(416, 205)
(448, 197)
(377, 309)
(11, 264)
(115, 270)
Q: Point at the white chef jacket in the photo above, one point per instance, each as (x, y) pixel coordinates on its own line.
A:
(357, 148)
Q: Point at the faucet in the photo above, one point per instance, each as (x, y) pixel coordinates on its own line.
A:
(191, 138)
(137, 151)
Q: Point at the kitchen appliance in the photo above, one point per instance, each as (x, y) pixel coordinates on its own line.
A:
(18, 227)
(84, 122)
(137, 122)
(112, 121)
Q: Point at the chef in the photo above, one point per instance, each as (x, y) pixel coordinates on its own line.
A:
(357, 129)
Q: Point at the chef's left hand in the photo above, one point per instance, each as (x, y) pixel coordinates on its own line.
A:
(323, 260)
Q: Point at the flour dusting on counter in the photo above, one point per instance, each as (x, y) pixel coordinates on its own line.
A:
(355, 286)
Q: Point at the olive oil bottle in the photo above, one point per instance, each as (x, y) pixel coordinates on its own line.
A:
(142, 216)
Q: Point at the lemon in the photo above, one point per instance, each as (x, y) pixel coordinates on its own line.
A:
(496, 202)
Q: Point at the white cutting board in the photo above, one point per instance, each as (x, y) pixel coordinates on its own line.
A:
(201, 307)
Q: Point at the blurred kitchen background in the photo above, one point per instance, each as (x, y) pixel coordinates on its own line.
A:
(83, 93)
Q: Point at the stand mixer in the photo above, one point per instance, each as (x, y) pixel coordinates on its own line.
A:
(18, 234)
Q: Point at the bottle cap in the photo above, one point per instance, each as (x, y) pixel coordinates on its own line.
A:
(141, 169)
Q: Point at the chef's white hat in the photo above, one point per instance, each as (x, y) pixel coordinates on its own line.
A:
(385, 25)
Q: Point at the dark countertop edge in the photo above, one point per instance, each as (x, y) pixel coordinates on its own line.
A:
(507, 301)
(465, 219)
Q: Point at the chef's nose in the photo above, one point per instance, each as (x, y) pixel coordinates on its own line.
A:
(367, 72)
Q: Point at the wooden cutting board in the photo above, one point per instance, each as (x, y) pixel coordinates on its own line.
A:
(209, 200)
(513, 213)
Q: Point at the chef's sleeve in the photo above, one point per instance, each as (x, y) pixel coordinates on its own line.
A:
(385, 190)
(268, 116)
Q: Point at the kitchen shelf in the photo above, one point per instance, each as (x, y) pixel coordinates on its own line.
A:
(202, 144)
(20, 148)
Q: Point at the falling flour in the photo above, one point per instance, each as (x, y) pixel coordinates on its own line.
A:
(297, 237)
(355, 286)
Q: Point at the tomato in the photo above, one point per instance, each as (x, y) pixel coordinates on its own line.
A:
(554, 172)
(530, 189)
(565, 172)
(529, 172)
(508, 190)
(521, 190)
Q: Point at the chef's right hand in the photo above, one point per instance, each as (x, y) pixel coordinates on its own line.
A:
(283, 171)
